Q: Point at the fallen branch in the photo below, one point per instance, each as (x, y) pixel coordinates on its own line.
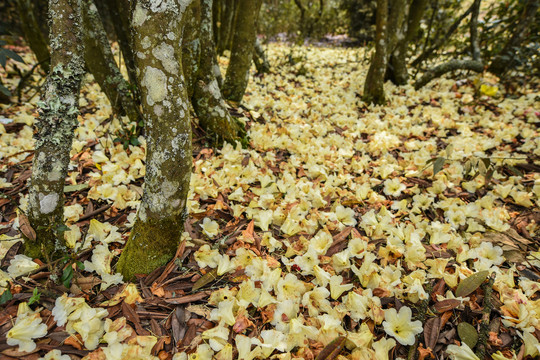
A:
(447, 67)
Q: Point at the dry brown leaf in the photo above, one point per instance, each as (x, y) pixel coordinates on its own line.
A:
(26, 228)
(432, 329)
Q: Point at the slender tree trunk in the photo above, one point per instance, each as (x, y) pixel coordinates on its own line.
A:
(398, 59)
(374, 85)
(191, 45)
(208, 102)
(259, 58)
(119, 9)
(100, 62)
(503, 61)
(226, 28)
(473, 31)
(245, 32)
(157, 30)
(397, 29)
(32, 33)
(56, 123)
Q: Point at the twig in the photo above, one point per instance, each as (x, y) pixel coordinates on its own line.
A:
(95, 212)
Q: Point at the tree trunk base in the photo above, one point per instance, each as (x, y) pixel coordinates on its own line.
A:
(149, 246)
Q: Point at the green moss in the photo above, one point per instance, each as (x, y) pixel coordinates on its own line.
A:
(151, 244)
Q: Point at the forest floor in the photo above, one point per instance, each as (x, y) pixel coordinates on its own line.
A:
(343, 230)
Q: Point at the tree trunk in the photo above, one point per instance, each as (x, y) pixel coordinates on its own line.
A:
(398, 60)
(157, 30)
(226, 28)
(56, 123)
(32, 33)
(503, 61)
(397, 47)
(245, 32)
(100, 62)
(191, 46)
(374, 85)
(208, 103)
(119, 9)
(260, 60)
(473, 31)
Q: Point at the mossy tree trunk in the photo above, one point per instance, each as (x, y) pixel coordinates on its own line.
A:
(100, 62)
(32, 33)
(209, 105)
(374, 84)
(245, 32)
(56, 124)
(224, 28)
(191, 45)
(157, 30)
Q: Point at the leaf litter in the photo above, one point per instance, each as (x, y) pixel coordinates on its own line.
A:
(336, 230)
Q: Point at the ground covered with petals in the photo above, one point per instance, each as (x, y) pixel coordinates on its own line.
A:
(343, 230)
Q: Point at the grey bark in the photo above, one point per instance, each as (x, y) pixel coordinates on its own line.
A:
(157, 27)
(473, 31)
(56, 123)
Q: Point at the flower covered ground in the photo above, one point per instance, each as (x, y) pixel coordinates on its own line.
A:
(343, 231)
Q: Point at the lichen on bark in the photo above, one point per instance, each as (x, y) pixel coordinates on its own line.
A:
(156, 233)
(56, 123)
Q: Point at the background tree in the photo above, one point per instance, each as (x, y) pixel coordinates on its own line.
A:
(56, 122)
(374, 84)
(245, 33)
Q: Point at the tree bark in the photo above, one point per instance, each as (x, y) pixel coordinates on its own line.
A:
(157, 30)
(100, 62)
(398, 60)
(260, 60)
(33, 34)
(191, 46)
(237, 76)
(473, 31)
(397, 46)
(447, 67)
(503, 61)
(374, 85)
(119, 9)
(56, 124)
(211, 109)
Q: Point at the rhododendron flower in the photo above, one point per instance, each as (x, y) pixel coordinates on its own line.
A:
(205, 256)
(393, 187)
(210, 227)
(400, 325)
(55, 355)
(382, 347)
(337, 288)
(28, 326)
(462, 352)
(21, 265)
